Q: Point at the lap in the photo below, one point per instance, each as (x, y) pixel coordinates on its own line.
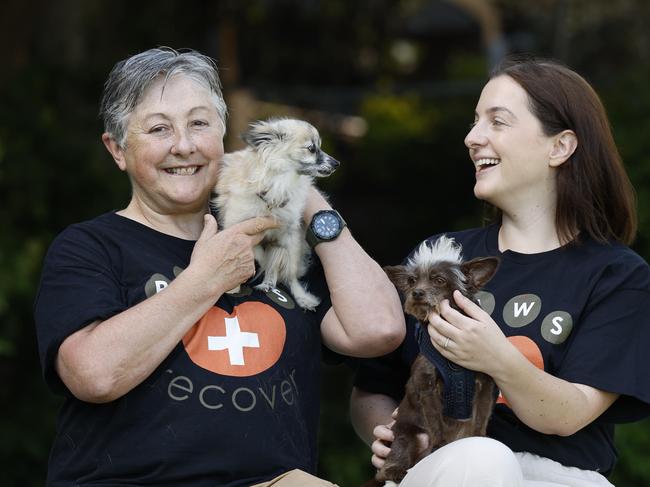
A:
(296, 478)
(489, 463)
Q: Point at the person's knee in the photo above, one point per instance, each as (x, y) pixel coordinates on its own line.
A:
(484, 454)
(467, 462)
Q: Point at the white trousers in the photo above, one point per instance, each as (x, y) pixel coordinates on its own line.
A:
(484, 462)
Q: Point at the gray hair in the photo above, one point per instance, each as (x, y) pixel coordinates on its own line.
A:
(131, 77)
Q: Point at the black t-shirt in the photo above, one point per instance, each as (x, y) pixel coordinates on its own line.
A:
(580, 312)
(235, 403)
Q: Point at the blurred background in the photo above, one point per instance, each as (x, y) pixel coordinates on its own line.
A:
(390, 84)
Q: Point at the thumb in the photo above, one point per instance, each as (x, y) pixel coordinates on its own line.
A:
(469, 307)
(210, 227)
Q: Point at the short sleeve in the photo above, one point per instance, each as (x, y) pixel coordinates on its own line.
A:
(78, 286)
(609, 350)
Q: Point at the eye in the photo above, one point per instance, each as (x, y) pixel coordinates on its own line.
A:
(199, 123)
(411, 280)
(157, 129)
(438, 280)
(312, 149)
(498, 122)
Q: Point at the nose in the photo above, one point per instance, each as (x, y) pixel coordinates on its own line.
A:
(183, 144)
(417, 293)
(334, 163)
(475, 137)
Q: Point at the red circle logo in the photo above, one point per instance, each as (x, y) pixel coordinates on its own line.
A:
(244, 343)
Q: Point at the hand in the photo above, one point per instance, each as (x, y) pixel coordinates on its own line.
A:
(224, 259)
(381, 446)
(384, 437)
(475, 341)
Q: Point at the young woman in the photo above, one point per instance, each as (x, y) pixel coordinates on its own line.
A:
(563, 326)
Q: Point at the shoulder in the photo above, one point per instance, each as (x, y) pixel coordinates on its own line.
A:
(615, 266)
(83, 239)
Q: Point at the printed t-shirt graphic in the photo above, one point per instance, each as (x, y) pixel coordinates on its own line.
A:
(244, 343)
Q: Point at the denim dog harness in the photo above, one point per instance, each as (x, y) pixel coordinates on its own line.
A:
(458, 391)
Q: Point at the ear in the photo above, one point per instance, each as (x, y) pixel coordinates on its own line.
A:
(480, 270)
(116, 151)
(260, 133)
(564, 146)
(397, 275)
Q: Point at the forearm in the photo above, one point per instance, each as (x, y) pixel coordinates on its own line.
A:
(368, 410)
(365, 302)
(104, 361)
(546, 403)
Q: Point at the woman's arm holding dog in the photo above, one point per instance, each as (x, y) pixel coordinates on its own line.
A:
(106, 359)
(545, 403)
(366, 318)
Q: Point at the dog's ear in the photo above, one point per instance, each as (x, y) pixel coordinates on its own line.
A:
(398, 275)
(480, 270)
(260, 133)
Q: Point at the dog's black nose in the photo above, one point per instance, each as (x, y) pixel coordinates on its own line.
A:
(417, 293)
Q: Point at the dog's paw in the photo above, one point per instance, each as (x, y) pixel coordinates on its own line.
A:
(307, 301)
(264, 287)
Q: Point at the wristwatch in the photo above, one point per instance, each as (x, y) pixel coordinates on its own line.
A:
(325, 226)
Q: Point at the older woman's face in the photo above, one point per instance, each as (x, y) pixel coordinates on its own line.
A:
(173, 147)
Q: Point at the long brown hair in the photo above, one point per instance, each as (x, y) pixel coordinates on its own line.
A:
(594, 193)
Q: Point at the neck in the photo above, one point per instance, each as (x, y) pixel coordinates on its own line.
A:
(182, 225)
(529, 232)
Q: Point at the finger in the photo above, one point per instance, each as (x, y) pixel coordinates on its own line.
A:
(440, 327)
(210, 226)
(469, 307)
(257, 225)
(437, 339)
(377, 462)
(383, 433)
(380, 449)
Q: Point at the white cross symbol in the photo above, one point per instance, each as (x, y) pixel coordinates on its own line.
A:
(235, 341)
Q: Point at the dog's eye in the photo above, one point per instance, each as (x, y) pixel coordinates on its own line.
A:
(440, 281)
(312, 149)
(411, 280)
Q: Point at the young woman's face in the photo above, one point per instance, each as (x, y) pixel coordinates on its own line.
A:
(174, 146)
(509, 149)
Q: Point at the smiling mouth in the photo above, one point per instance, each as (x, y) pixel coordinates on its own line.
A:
(486, 163)
(182, 171)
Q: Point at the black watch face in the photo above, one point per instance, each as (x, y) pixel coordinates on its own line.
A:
(326, 226)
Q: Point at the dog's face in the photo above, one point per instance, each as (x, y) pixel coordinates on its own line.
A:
(434, 273)
(290, 145)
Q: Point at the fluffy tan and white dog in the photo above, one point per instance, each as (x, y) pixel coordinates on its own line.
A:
(271, 177)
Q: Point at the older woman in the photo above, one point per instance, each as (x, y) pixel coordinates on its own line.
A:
(167, 379)
(563, 326)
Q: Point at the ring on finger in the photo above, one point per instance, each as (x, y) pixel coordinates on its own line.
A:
(446, 343)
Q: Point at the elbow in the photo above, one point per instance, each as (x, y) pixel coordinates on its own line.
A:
(565, 430)
(385, 337)
(87, 382)
(559, 428)
(391, 337)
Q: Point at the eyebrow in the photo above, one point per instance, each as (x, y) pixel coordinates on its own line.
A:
(492, 110)
(192, 110)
